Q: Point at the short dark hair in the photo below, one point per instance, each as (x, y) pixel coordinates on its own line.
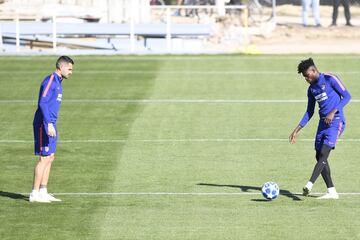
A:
(63, 59)
(305, 64)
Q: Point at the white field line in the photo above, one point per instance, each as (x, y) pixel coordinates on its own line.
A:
(166, 101)
(194, 140)
(207, 57)
(178, 72)
(106, 194)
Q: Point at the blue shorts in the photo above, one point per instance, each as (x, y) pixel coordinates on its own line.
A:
(44, 145)
(329, 134)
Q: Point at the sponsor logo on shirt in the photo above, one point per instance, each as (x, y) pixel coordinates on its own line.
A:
(321, 97)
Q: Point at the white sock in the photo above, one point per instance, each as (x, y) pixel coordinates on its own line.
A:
(309, 185)
(35, 192)
(43, 190)
(331, 190)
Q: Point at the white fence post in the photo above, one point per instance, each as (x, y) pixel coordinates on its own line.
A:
(168, 29)
(145, 11)
(132, 30)
(17, 31)
(1, 39)
(274, 9)
(221, 7)
(54, 32)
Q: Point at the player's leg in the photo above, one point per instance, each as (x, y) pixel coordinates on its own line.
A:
(39, 170)
(332, 136)
(45, 180)
(305, 8)
(322, 163)
(346, 5)
(316, 11)
(336, 4)
(323, 155)
(319, 140)
(40, 139)
(326, 173)
(331, 191)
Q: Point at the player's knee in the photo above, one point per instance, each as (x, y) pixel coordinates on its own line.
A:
(324, 154)
(45, 159)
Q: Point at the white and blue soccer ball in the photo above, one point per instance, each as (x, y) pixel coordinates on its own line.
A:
(270, 190)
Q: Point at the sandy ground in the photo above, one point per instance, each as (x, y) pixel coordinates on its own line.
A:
(289, 36)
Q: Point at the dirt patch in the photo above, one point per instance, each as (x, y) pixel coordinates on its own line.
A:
(289, 36)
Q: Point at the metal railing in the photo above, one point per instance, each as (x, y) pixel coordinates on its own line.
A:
(168, 22)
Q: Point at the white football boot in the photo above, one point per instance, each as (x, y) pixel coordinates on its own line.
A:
(43, 191)
(331, 194)
(51, 198)
(37, 197)
(307, 188)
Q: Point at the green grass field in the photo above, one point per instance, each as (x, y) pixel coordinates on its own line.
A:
(188, 161)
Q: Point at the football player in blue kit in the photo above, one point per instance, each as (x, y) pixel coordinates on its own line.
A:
(332, 96)
(45, 130)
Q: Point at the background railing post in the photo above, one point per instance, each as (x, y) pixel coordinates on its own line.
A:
(132, 33)
(54, 32)
(17, 31)
(274, 9)
(168, 29)
(1, 39)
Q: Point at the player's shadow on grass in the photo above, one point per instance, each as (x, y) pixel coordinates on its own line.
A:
(14, 195)
(283, 192)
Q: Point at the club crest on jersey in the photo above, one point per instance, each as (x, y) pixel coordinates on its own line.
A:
(59, 97)
(323, 86)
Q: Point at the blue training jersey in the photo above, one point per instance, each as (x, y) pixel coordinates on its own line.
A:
(50, 96)
(330, 93)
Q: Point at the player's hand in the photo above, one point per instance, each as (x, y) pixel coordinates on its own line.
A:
(51, 130)
(329, 117)
(292, 137)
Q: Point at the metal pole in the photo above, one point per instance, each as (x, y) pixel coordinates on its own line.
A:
(132, 30)
(17, 32)
(54, 32)
(1, 39)
(168, 29)
(221, 7)
(274, 9)
(108, 11)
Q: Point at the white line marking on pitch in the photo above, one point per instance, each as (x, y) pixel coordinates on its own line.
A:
(211, 57)
(170, 101)
(176, 140)
(179, 194)
(180, 71)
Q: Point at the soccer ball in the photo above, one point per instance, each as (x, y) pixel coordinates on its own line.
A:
(270, 190)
